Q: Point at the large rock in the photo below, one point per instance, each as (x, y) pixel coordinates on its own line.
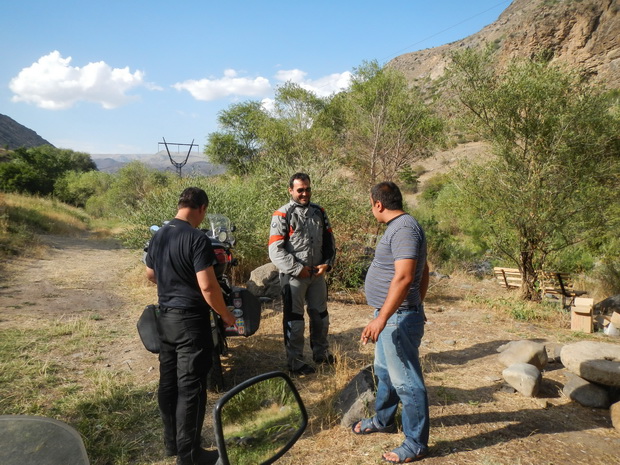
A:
(530, 352)
(615, 415)
(265, 281)
(524, 377)
(357, 399)
(584, 392)
(609, 305)
(598, 362)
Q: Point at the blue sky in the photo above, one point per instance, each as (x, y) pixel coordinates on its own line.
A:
(117, 76)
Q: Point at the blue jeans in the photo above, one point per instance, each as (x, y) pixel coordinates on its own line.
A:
(397, 367)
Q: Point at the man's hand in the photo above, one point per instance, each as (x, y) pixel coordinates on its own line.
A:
(228, 318)
(372, 330)
(321, 269)
(305, 272)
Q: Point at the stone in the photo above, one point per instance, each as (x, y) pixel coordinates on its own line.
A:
(553, 352)
(524, 377)
(357, 400)
(265, 281)
(530, 352)
(585, 393)
(609, 305)
(598, 362)
(614, 410)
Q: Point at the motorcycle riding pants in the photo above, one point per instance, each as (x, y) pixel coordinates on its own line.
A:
(296, 294)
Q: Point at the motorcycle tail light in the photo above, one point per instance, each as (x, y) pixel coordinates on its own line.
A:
(221, 255)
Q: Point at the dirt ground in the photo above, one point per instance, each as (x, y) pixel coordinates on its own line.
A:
(474, 419)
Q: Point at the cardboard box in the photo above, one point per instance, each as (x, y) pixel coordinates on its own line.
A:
(581, 315)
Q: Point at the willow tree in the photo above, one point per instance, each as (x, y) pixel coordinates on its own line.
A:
(555, 169)
(388, 126)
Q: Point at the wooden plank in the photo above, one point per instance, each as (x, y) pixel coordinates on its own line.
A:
(509, 278)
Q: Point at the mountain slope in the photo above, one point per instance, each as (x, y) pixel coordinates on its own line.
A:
(579, 33)
(13, 135)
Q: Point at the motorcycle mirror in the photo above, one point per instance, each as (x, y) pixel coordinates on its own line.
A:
(259, 420)
(33, 440)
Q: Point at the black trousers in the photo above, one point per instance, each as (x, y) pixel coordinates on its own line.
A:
(184, 360)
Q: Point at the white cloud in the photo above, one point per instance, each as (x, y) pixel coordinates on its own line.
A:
(322, 87)
(268, 104)
(53, 84)
(229, 84)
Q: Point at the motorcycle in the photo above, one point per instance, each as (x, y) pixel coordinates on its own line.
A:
(256, 422)
(242, 303)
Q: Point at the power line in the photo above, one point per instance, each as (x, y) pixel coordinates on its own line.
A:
(401, 51)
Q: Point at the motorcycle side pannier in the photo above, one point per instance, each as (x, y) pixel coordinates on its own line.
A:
(247, 309)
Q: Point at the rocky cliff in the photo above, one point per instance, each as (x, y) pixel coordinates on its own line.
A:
(584, 34)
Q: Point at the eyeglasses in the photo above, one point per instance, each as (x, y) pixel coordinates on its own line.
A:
(302, 190)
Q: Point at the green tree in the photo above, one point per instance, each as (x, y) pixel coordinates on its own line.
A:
(238, 144)
(35, 170)
(388, 127)
(293, 136)
(556, 166)
(296, 137)
(76, 188)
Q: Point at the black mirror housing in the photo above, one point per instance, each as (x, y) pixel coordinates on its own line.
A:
(259, 420)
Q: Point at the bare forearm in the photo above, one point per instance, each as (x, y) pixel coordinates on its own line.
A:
(424, 283)
(399, 288)
(215, 299)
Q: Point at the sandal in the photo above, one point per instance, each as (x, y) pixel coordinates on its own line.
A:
(406, 455)
(368, 426)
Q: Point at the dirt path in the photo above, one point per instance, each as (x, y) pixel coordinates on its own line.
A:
(474, 419)
(78, 277)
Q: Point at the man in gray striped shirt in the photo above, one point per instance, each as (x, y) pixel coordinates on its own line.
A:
(395, 286)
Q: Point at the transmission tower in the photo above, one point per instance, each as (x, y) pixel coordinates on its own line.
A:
(178, 165)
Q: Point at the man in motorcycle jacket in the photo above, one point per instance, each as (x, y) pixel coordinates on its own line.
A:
(302, 246)
(180, 261)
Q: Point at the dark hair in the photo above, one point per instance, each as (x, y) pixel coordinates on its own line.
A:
(193, 197)
(388, 194)
(300, 176)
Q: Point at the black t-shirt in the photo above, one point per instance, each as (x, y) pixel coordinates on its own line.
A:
(177, 252)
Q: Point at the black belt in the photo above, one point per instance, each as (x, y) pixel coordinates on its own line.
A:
(180, 311)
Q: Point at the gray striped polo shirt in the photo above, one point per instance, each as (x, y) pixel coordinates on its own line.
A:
(403, 239)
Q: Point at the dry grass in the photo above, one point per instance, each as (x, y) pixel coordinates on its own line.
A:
(107, 375)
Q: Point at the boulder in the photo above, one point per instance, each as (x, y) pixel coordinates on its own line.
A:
(609, 305)
(524, 377)
(598, 362)
(584, 392)
(357, 400)
(530, 352)
(265, 281)
(615, 415)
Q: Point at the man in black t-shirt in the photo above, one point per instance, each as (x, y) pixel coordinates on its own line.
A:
(180, 261)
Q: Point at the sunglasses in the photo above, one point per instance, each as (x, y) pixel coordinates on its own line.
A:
(302, 190)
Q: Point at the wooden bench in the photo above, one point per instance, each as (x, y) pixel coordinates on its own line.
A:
(510, 278)
(556, 283)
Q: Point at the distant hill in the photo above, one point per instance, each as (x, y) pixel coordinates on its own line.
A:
(14, 135)
(584, 34)
(196, 163)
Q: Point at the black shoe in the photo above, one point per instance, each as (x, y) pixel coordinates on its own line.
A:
(171, 449)
(329, 360)
(305, 369)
